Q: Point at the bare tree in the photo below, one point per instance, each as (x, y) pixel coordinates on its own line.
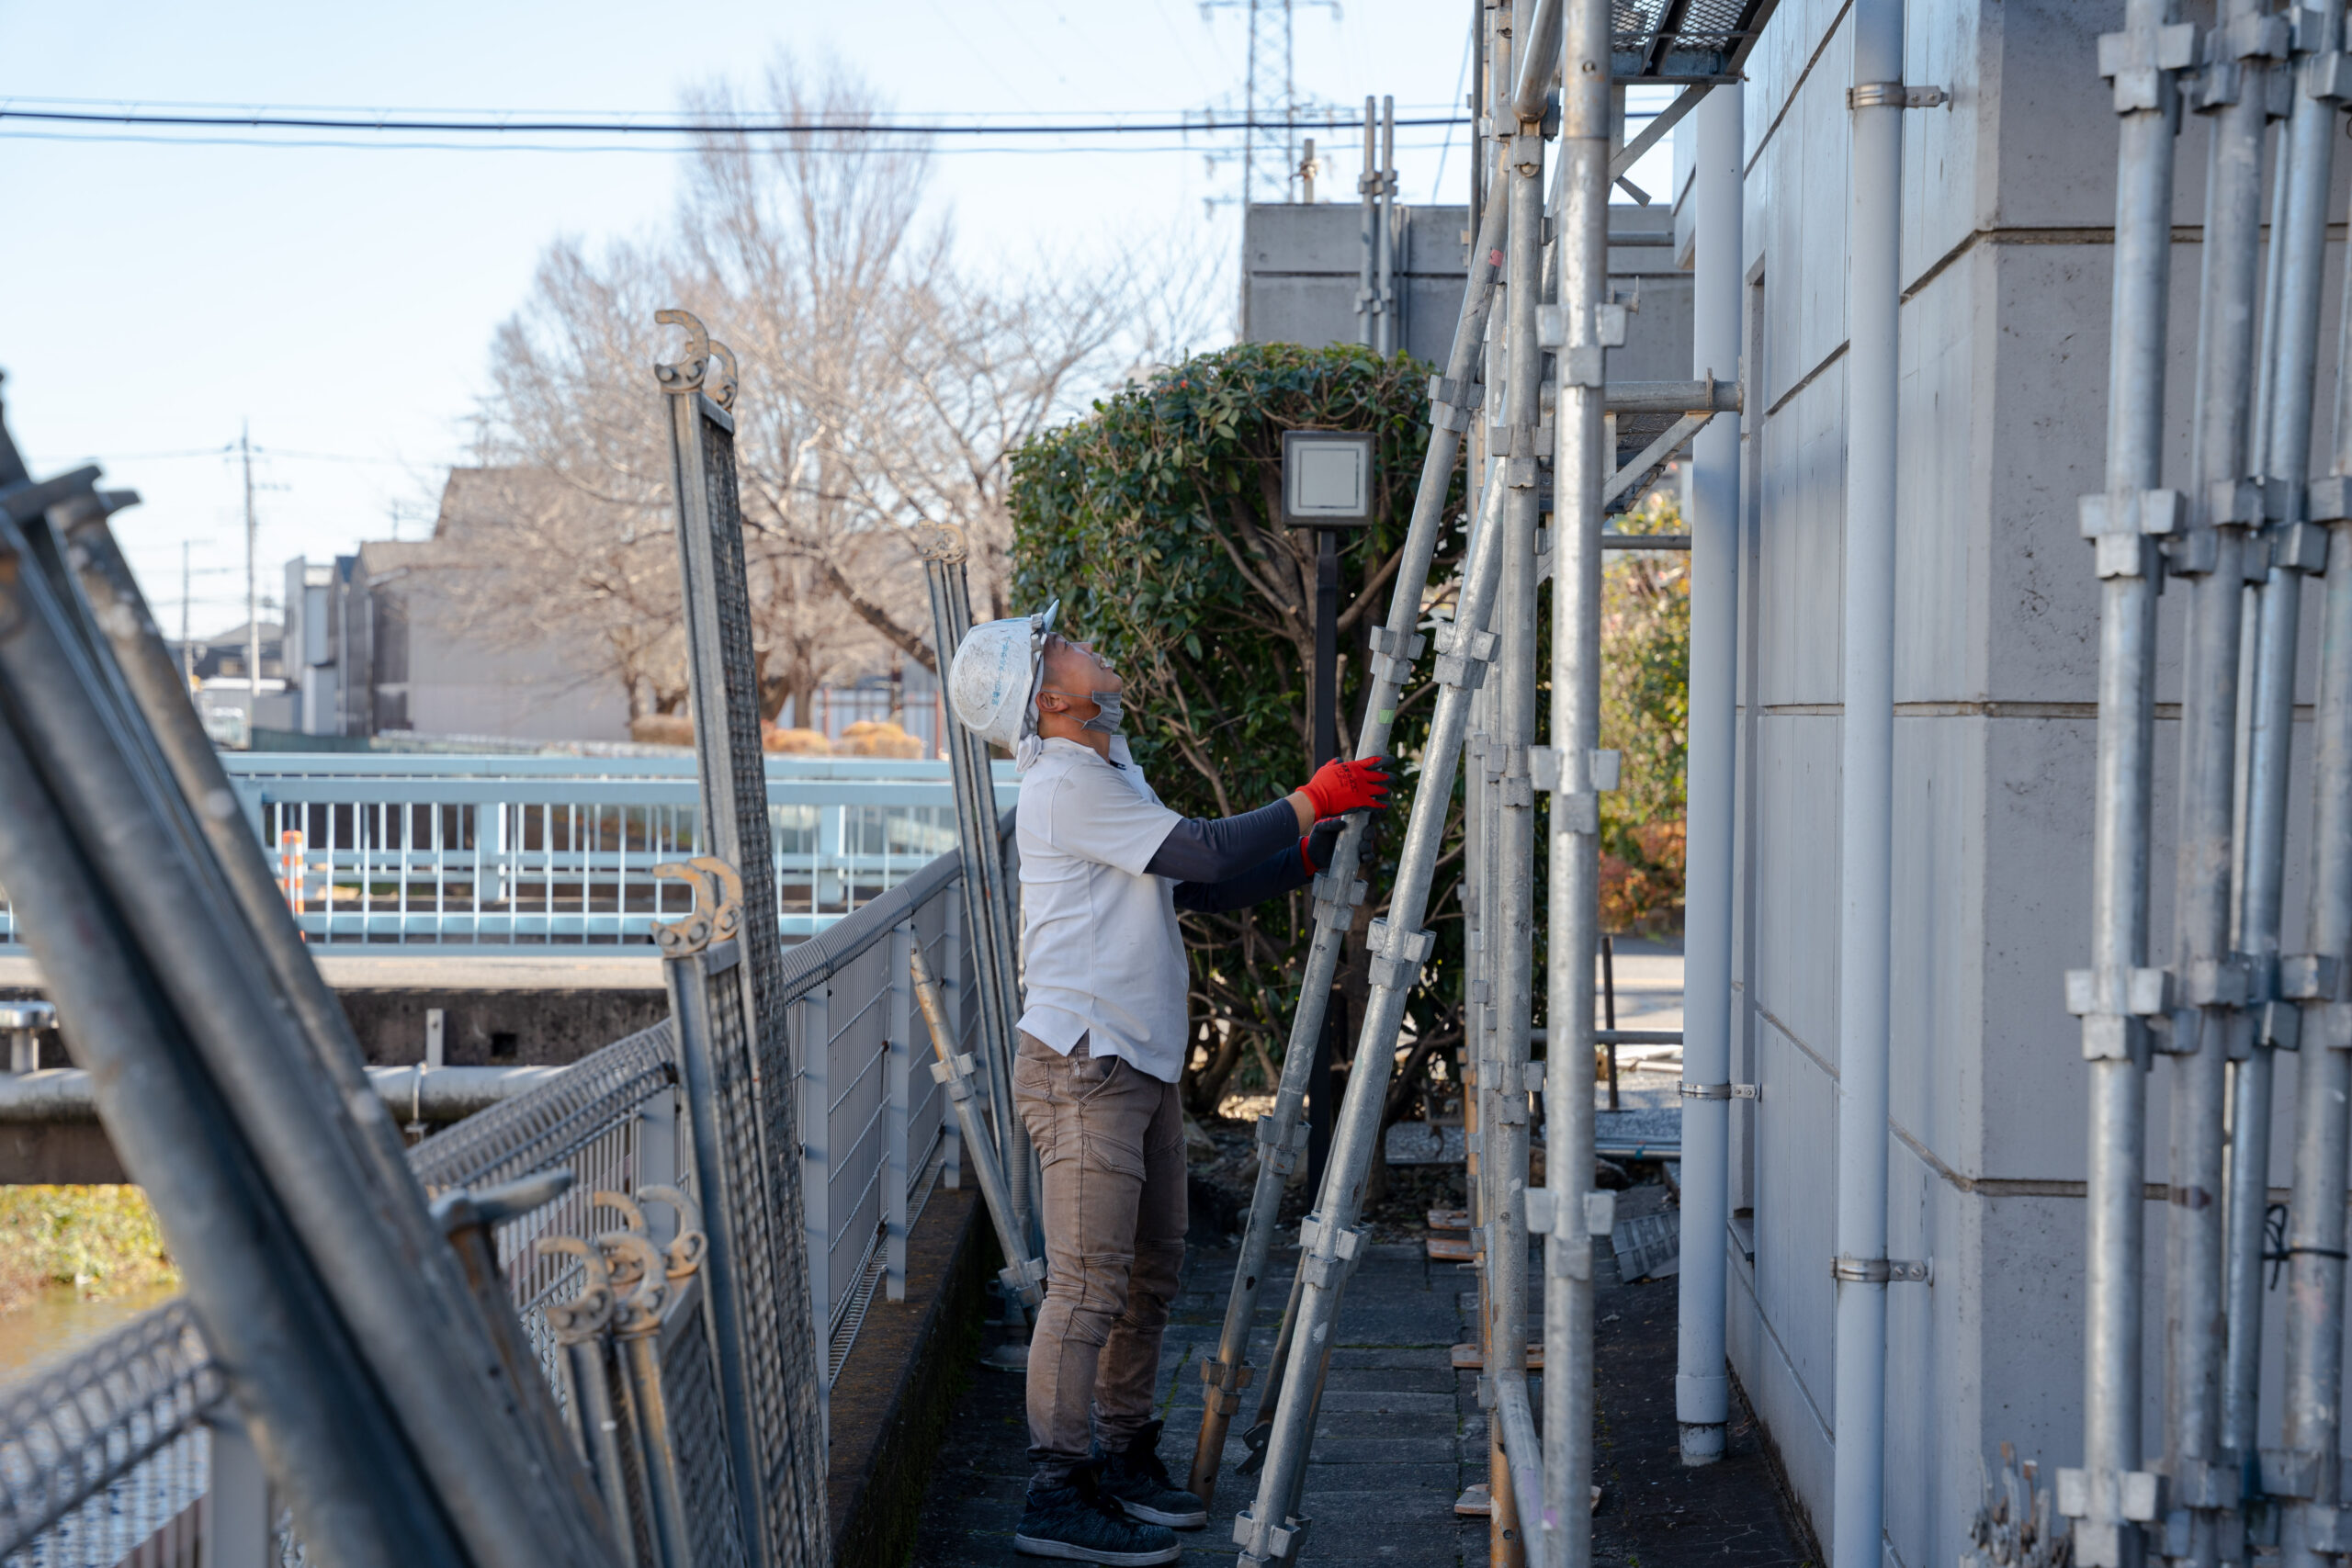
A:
(883, 385)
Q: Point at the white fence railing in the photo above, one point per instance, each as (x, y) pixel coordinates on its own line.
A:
(377, 848)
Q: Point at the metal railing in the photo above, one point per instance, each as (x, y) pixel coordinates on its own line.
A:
(107, 1456)
(534, 849)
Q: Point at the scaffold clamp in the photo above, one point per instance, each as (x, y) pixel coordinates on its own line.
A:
(2137, 60)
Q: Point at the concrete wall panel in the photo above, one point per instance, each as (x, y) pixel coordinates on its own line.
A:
(1795, 1208)
(1945, 191)
(1936, 1018)
(1796, 907)
(1942, 482)
(1802, 572)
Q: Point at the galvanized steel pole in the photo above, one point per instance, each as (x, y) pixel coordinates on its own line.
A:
(2308, 1471)
(1367, 301)
(2111, 1495)
(1702, 1385)
(2299, 238)
(2212, 978)
(1567, 1210)
(1511, 830)
(1386, 340)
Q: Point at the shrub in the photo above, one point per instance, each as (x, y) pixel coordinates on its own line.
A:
(101, 1241)
(1645, 713)
(1155, 520)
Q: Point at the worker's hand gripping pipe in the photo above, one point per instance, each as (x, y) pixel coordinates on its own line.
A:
(1023, 1276)
(1269, 1531)
(1453, 398)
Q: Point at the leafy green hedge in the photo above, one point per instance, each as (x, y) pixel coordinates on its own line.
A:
(1154, 520)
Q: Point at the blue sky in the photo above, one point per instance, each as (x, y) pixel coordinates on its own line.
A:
(155, 295)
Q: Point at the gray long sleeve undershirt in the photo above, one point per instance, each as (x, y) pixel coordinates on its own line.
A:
(1211, 849)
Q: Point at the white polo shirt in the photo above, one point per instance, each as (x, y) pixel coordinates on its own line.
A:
(1099, 948)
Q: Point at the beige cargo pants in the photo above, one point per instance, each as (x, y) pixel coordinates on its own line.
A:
(1111, 1141)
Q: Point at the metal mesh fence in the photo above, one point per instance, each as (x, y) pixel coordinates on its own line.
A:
(105, 1459)
(106, 1454)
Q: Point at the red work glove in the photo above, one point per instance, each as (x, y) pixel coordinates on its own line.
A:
(1314, 850)
(1342, 787)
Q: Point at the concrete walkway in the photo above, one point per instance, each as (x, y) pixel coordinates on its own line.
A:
(1399, 1434)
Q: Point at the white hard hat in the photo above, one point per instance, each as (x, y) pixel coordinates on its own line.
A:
(993, 682)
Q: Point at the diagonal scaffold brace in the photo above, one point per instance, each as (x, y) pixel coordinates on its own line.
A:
(1024, 1275)
(1330, 1238)
(1454, 397)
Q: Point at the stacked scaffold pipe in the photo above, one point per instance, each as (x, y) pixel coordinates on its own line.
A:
(381, 1391)
(992, 1131)
(2251, 517)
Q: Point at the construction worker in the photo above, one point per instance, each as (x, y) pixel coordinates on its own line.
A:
(1105, 869)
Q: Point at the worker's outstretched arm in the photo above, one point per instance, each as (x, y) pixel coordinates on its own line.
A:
(1217, 849)
(1291, 866)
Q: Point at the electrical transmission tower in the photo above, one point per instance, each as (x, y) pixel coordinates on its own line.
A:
(1269, 103)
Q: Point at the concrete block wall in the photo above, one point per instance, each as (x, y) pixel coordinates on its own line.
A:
(2007, 215)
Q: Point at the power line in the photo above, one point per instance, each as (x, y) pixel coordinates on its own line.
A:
(274, 119)
(301, 143)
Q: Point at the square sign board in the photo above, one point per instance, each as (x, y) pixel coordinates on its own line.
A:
(1327, 478)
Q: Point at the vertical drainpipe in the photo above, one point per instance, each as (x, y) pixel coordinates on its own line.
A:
(1866, 801)
(1701, 1390)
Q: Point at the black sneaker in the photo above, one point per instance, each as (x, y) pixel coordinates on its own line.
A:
(1141, 1485)
(1079, 1521)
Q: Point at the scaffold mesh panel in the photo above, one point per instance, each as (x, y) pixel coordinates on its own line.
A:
(1678, 37)
(780, 1318)
(698, 1431)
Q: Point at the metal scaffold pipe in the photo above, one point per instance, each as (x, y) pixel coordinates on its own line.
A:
(1539, 60)
(1866, 789)
(2295, 547)
(1454, 399)
(2306, 1476)
(1510, 828)
(2111, 1495)
(2223, 506)
(1367, 184)
(1330, 1238)
(1567, 1212)
(1702, 1385)
(988, 899)
(1385, 339)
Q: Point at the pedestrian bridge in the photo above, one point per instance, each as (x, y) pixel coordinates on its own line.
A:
(476, 852)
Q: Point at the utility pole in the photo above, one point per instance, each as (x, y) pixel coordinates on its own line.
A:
(188, 655)
(253, 590)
